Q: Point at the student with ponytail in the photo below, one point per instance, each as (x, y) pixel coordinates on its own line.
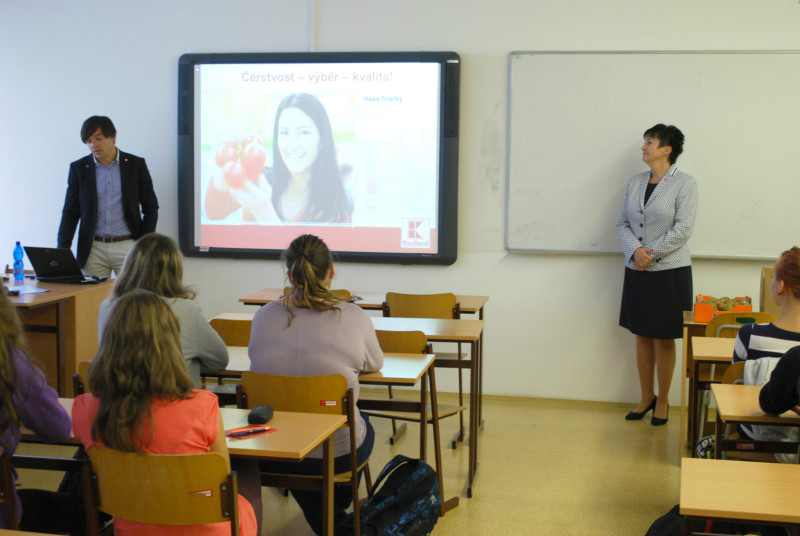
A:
(308, 333)
(26, 399)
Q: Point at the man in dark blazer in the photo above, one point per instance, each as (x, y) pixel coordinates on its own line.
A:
(111, 194)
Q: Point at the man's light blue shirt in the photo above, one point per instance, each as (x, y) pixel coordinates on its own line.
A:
(110, 217)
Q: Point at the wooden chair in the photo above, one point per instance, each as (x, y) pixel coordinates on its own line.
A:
(169, 489)
(734, 374)
(234, 330)
(343, 294)
(80, 380)
(726, 326)
(407, 342)
(8, 497)
(431, 306)
(303, 394)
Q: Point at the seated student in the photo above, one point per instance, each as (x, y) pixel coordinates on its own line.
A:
(772, 340)
(311, 332)
(142, 401)
(26, 399)
(782, 392)
(155, 264)
(755, 341)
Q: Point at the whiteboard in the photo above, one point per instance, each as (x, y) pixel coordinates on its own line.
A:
(575, 124)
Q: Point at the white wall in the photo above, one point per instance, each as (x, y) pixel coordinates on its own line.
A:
(551, 320)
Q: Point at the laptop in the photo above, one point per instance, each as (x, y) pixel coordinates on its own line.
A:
(57, 265)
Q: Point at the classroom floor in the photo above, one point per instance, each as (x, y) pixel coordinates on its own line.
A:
(546, 467)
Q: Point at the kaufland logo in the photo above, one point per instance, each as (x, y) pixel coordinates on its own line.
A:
(415, 233)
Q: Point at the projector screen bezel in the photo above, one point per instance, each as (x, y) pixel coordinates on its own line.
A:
(449, 104)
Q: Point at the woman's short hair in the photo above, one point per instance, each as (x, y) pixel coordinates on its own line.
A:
(91, 125)
(327, 200)
(155, 264)
(139, 361)
(308, 264)
(667, 135)
(787, 269)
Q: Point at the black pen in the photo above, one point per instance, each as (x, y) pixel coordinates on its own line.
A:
(249, 432)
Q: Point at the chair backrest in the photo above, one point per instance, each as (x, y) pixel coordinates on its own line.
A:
(404, 342)
(80, 381)
(421, 305)
(734, 372)
(304, 394)
(171, 489)
(234, 329)
(342, 294)
(726, 325)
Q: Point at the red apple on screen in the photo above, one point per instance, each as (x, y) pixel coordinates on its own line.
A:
(253, 158)
(234, 174)
(226, 153)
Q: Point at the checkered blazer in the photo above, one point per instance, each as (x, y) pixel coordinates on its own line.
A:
(664, 224)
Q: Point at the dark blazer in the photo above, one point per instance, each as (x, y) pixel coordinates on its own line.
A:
(139, 202)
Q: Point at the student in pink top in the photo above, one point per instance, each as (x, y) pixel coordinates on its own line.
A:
(142, 400)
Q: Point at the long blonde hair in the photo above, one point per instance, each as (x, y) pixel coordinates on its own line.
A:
(139, 361)
(155, 264)
(308, 264)
(12, 338)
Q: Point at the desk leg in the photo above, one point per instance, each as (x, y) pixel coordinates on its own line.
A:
(423, 419)
(717, 439)
(473, 417)
(480, 381)
(327, 486)
(451, 503)
(693, 403)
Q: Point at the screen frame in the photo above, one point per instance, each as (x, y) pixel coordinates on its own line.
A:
(449, 105)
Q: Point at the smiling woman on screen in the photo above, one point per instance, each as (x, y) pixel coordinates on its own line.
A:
(305, 183)
(653, 229)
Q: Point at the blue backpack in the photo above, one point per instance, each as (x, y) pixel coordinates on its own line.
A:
(406, 501)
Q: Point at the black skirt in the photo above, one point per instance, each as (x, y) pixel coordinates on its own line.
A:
(653, 302)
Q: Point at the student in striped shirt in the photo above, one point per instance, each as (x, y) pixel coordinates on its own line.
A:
(755, 341)
(775, 339)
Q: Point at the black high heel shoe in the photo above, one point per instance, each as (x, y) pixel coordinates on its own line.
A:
(656, 421)
(634, 416)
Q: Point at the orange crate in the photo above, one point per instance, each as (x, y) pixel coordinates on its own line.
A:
(703, 312)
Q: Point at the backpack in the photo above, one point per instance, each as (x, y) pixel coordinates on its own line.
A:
(406, 500)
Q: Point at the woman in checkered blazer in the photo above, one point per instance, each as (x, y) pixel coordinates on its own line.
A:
(653, 229)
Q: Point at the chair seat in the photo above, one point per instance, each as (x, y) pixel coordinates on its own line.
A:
(445, 410)
(281, 478)
(449, 356)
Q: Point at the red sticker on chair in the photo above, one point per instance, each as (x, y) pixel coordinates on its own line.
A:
(327, 402)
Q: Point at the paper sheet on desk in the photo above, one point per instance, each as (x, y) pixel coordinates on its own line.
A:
(25, 289)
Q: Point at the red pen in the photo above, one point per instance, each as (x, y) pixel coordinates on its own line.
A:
(250, 431)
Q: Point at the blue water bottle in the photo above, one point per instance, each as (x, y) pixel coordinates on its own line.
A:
(19, 268)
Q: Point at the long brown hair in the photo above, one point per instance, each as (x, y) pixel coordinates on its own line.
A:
(11, 337)
(787, 270)
(155, 264)
(139, 361)
(308, 264)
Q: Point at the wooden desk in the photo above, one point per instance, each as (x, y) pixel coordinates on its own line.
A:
(738, 404)
(449, 330)
(705, 351)
(296, 436)
(61, 327)
(690, 329)
(751, 491)
(398, 369)
(368, 300)
(436, 330)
